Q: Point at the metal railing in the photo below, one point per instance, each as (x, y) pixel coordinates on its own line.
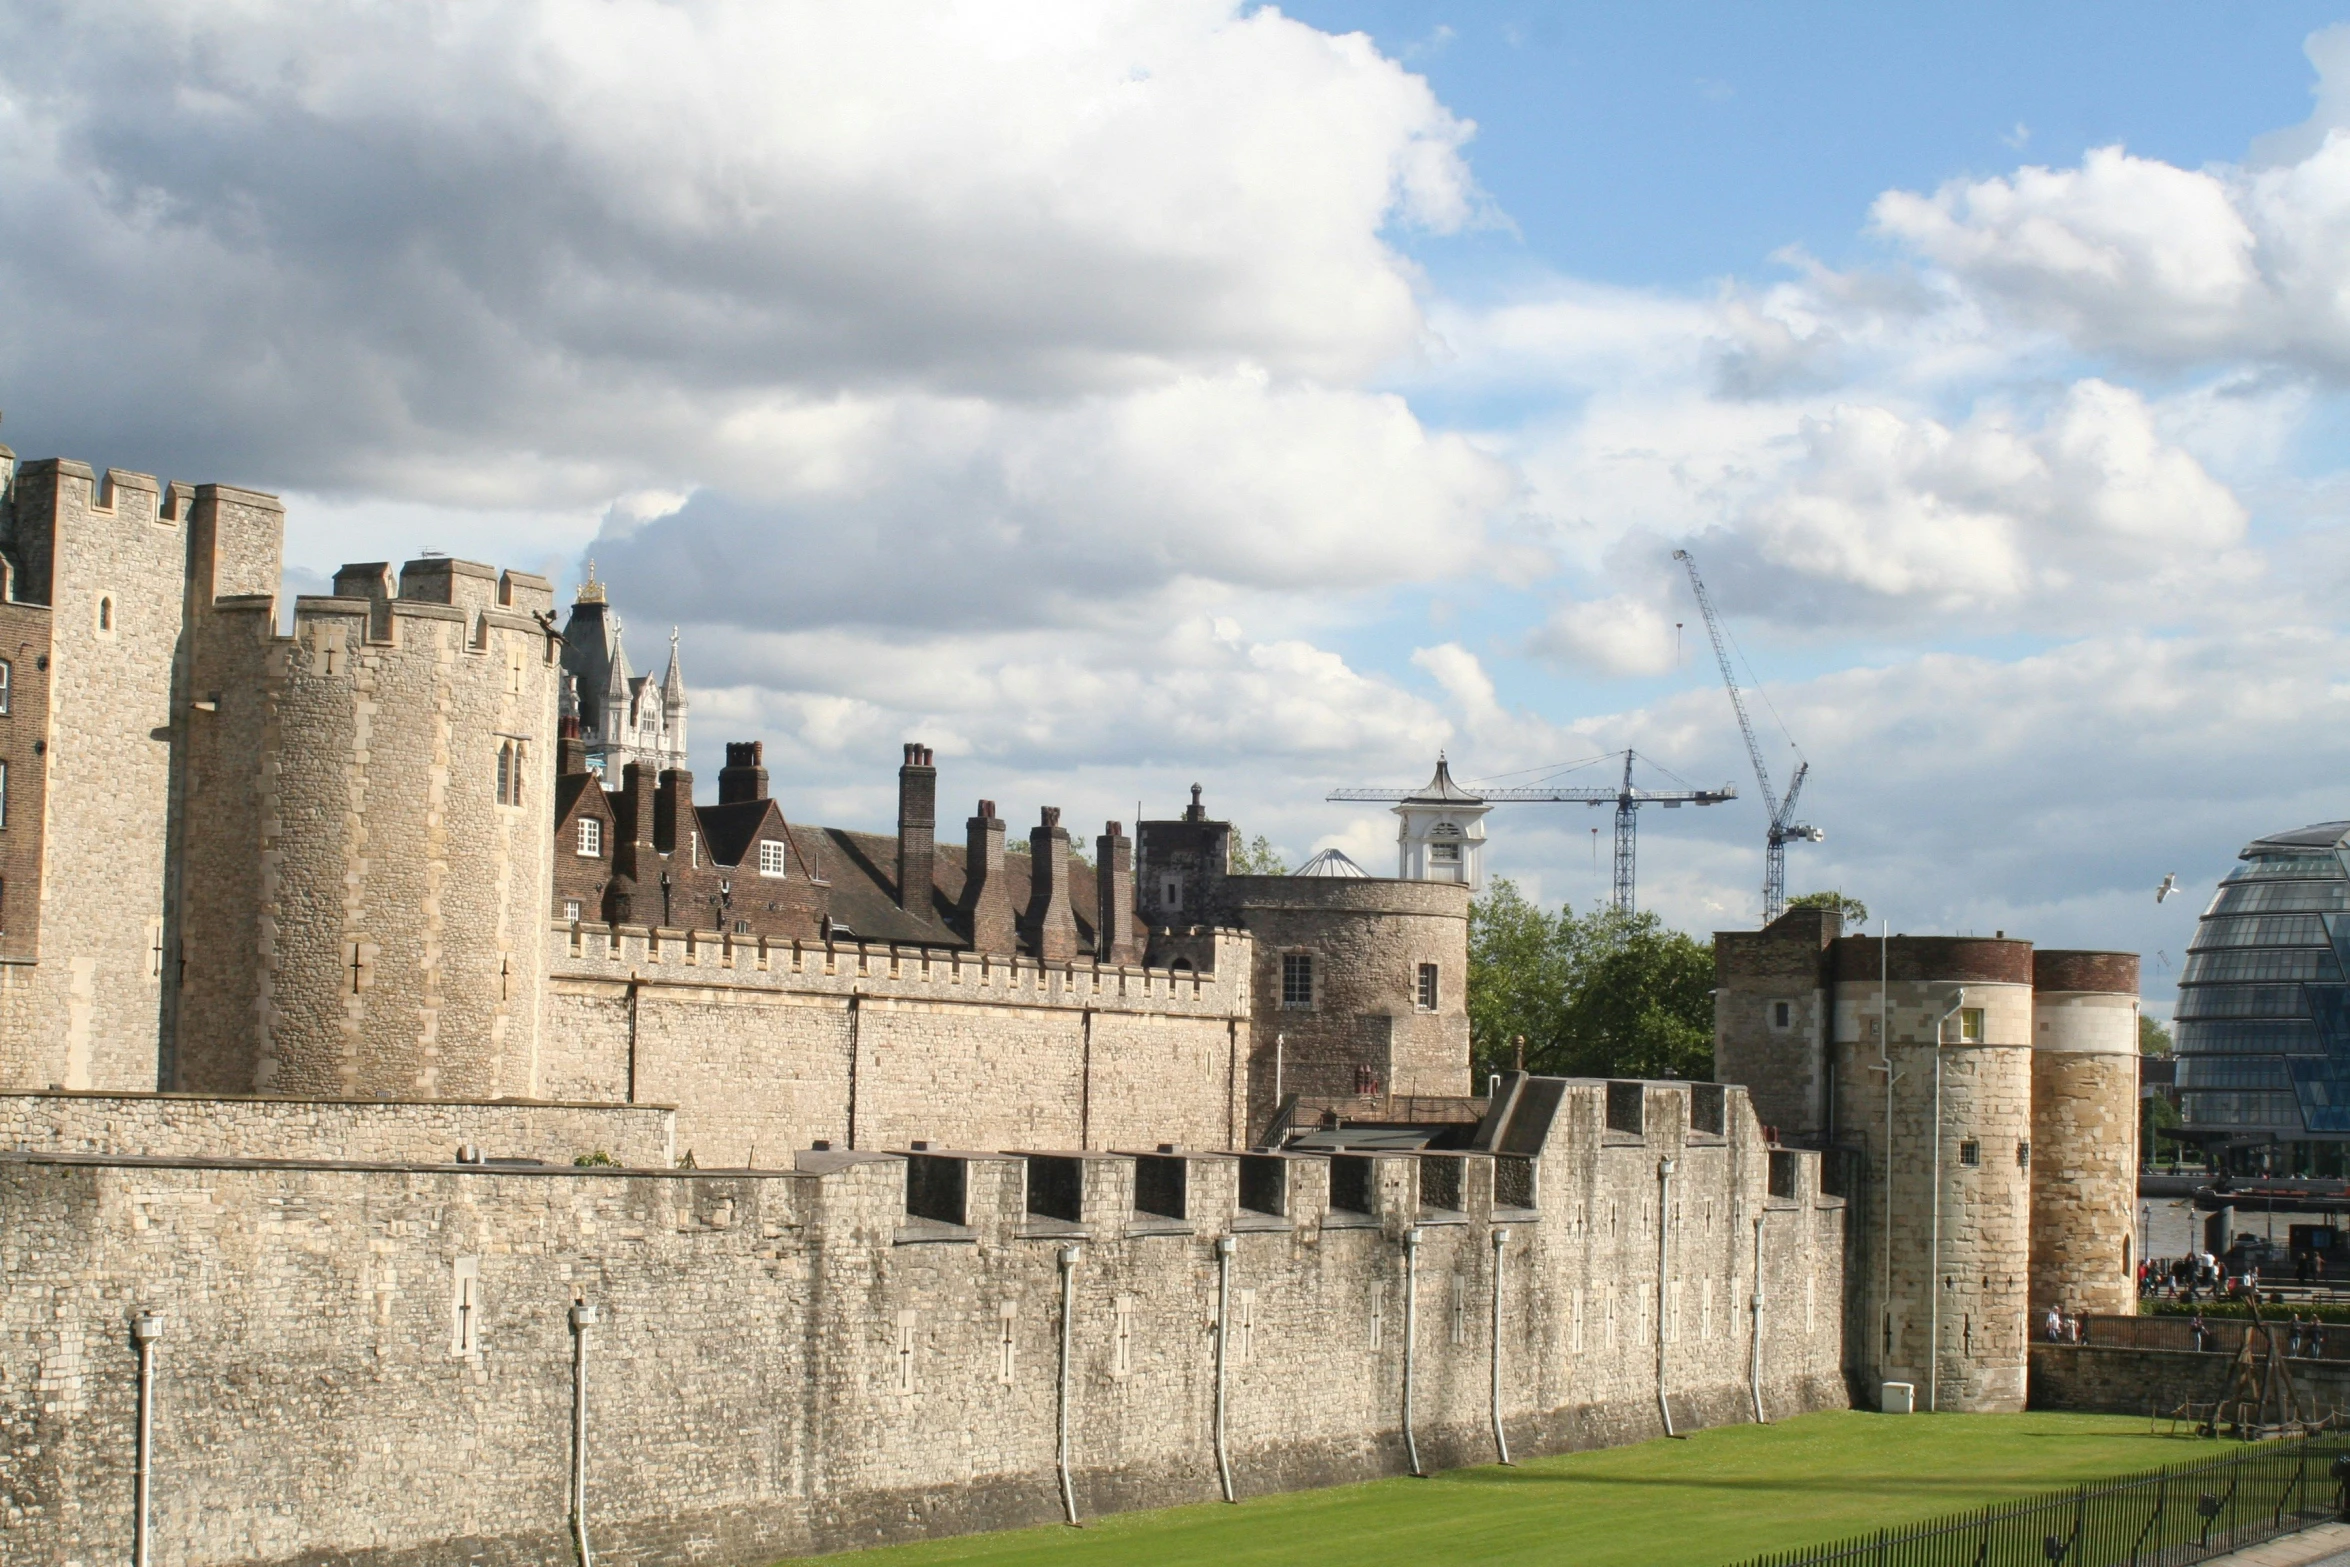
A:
(2173, 1517)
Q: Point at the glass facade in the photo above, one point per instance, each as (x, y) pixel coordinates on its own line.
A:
(2263, 1023)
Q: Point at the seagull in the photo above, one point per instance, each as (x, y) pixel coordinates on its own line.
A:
(2170, 884)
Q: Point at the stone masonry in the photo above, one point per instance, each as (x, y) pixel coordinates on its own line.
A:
(374, 1362)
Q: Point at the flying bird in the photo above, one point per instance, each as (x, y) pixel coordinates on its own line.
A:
(2170, 884)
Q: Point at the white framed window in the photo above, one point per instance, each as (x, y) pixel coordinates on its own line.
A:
(1426, 989)
(591, 838)
(1297, 980)
(571, 908)
(742, 927)
(771, 857)
(1445, 853)
(7, 684)
(1970, 1025)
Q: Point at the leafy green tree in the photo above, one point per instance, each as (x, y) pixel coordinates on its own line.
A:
(1258, 857)
(1517, 977)
(2153, 1037)
(1595, 995)
(1855, 912)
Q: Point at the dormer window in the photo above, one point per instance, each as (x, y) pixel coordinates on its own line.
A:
(771, 858)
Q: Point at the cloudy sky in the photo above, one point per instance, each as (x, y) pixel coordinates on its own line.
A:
(1118, 395)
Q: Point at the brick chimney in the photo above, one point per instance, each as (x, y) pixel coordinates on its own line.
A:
(917, 830)
(673, 810)
(1113, 937)
(570, 749)
(744, 777)
(987, 902)
(1052, 924)
(635, 862)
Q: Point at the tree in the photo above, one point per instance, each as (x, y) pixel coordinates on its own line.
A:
(1258, 858)
(2153, 1038)
(1855, 912)
(1595, 995)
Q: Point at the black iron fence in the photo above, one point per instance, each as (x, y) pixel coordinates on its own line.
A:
(2173, 1517)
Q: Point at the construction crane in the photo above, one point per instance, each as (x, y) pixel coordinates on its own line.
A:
(1782, 812)
(1625, 798)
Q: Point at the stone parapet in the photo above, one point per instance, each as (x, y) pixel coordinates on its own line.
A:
(193, 1125)
(867, 1348)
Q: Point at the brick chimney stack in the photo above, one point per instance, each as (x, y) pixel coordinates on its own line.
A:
(744, 777)
(1051, 921)
(673, 810)
(917, 830)
(987, 902)
(570, 749)
(1114, 939)
(633, 857)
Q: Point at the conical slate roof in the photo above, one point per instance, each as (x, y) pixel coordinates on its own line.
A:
(1330, 862)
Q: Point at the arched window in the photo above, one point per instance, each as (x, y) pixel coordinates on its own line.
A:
(106, 613)
(506, 773)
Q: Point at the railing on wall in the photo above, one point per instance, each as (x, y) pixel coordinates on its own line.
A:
(2221, 1335)
(2173, 1517)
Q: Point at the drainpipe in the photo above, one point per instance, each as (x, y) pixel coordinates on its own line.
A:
(1664, 1253)
(1501, 1439)
(583, 1317)
(1223, 1356)
(1758, 1322)
(1411, 1340)
(146, 1327)
(1068, 1313)
(1934, 1226)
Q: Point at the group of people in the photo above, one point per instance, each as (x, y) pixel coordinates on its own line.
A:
(2067, 1328)
(2305, 1337)
(2195, 1276)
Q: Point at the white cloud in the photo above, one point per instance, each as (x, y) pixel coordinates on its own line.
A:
(1618, 635)
(535, 252)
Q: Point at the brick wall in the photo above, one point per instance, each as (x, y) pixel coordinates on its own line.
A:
(787, 1362)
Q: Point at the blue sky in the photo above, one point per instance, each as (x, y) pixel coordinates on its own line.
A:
(1117, 395)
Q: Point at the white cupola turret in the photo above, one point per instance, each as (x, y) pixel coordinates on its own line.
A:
(1442, 833)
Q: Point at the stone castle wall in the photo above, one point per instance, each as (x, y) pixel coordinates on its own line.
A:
(770, 1046)
(787, 1362)
(188, 1126)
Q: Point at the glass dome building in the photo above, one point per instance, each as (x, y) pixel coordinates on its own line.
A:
(2262, 1030)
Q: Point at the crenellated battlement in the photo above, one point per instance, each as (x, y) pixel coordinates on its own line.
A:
(1217, 988)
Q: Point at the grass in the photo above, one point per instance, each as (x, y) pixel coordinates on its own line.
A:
(1719, 1497)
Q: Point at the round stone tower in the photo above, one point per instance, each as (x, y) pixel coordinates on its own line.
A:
(2084, 1130)
(407, 758)
(1944, 1268)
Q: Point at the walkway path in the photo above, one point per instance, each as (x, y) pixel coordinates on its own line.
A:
(2327, 1545)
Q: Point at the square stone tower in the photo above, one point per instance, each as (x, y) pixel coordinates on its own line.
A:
(109, 586)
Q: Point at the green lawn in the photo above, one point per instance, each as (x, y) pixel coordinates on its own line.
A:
(1721, 1496)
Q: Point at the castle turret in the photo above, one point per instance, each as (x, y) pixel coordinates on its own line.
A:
(2084, 1131)
(1952, 1019)
(398, 792)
